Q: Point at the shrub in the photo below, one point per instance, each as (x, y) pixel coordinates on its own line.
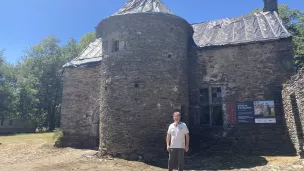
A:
(58, 137)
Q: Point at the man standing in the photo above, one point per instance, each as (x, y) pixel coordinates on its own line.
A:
(176, 144)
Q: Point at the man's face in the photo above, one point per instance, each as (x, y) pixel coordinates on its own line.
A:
(176, 117)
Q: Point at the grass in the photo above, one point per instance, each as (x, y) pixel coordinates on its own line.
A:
(21, 151)
(27, 138)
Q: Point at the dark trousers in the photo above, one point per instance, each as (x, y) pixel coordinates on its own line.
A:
(176, 158)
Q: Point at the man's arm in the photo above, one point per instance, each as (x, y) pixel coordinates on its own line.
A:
(168, 139)
(187, 142)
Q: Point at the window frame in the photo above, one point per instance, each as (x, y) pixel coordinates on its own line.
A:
(115, 45)
(211, 103)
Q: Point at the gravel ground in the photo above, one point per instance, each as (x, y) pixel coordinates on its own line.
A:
(35, 152)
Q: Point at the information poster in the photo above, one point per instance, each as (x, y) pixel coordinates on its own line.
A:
(256, 112)
(245, 112)
(264, 112)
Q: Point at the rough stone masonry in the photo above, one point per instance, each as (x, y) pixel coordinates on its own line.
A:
(293, 100)
(120, 92)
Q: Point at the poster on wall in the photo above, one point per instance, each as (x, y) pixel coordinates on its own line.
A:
(264, 112)
(245, 112)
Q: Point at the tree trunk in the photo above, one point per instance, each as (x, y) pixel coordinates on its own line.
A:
(51, 113)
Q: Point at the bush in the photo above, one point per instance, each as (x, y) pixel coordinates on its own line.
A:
(58, 137)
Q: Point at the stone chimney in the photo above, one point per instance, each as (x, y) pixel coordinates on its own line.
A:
(270, 5)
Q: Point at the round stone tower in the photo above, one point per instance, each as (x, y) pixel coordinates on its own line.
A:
(144, 77)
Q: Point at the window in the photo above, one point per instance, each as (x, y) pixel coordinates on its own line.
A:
(211, 112)
(205, 115)
(115, 46)
(216, 95)
(204, 95)
(10, 123)
(2, 122)
(105, 46)
(217, 115)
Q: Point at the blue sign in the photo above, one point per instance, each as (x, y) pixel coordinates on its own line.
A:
(245, 112)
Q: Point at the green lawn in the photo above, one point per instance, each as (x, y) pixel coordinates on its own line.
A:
(27, 138)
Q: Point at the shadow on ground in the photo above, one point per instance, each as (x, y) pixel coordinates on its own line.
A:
(217, 162)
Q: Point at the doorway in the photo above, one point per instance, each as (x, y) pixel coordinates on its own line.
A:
(296, 115)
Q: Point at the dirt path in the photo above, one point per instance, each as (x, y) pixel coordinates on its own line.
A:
(35, 153)
(47, 158)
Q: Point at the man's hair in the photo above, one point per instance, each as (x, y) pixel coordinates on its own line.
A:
(177, 112)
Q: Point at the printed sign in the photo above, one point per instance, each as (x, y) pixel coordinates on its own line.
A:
(256, 112)
(245, 112)
(264, 112)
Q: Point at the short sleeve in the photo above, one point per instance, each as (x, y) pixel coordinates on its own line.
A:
(186, 131)
(168, 130)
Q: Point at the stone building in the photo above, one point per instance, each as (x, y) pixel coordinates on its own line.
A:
(120, 92)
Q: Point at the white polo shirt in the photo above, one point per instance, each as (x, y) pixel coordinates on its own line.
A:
(178, 133)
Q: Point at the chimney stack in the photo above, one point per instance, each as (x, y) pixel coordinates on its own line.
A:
(270, 5)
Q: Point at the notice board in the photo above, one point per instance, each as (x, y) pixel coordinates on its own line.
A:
(256, 112)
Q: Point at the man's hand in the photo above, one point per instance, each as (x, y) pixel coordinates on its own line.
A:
(187, 148)
(187, 142)
(168, 139)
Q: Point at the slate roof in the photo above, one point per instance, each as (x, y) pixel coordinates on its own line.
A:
(257, 27)
(91, 54)
(260, 26)
(144, 6)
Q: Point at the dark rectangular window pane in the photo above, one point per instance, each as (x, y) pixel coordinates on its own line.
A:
(216, 95)
(217, 115)
(116, 46)
(219, 90)
(204, 95)
(204, 115)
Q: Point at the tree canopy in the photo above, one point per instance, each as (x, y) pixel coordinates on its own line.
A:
(32, 88)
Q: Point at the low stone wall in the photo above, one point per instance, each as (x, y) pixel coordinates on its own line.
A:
(16, 126)
(293, 101)
(81, 107)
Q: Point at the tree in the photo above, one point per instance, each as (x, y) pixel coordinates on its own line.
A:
(45, 61)
(1, 63)
(71, 50)
(32, 89)
(293, 20)
(7, 89)
(86, 40)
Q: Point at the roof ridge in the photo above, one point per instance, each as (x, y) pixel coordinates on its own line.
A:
(249, 14)
(144, 6)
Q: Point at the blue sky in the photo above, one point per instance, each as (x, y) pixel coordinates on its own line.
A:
(25, 22)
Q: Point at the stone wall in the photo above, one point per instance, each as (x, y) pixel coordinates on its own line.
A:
(143, 82)
(16, 126)
(81, 107)
(247, 72)
(293, 100)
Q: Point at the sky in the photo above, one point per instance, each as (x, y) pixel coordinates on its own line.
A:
(23, 23)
